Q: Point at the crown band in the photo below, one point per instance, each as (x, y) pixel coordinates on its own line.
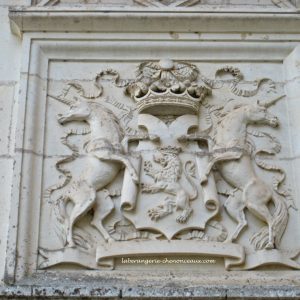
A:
(176, 104)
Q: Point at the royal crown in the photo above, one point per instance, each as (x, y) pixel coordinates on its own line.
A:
(167, 88)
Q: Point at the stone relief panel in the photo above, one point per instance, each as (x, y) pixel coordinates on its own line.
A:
(176, 158)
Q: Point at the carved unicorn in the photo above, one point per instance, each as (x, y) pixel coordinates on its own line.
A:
(233, 161)
(105, 156)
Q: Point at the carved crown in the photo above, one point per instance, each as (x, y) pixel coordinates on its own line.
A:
(167, 87)
(170, 150)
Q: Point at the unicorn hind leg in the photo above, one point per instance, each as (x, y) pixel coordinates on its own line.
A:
(262, 212)
(84, 199)
(257, 195)
(103, 207)
(235, 209)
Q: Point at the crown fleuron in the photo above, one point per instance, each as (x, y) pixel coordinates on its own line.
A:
(167, 88)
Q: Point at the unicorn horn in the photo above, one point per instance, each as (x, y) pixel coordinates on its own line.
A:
(268, 103)
(60, 99)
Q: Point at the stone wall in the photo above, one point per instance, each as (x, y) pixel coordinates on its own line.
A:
(10, 61)
(150, 148)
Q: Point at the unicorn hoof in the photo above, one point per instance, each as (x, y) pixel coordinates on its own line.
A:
(71, 245)
(269, 246)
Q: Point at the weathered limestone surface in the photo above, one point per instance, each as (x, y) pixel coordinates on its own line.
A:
(150, 148)
(10, 60)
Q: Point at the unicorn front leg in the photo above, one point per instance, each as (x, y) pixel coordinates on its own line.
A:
(84, 199)
(125, 161)
(198, 137)
(226, 156)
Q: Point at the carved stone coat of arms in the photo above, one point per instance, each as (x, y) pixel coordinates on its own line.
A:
(166, 171)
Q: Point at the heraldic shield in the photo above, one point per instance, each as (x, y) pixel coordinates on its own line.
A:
(170, 197)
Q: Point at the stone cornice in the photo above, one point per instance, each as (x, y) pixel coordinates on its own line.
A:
(79, 19)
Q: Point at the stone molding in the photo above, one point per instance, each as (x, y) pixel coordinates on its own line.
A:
(77, 19)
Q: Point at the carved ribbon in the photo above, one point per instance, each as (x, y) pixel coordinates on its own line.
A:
(266, 257)
(234, 252)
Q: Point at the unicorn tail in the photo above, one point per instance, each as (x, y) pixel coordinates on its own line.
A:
(280, 217)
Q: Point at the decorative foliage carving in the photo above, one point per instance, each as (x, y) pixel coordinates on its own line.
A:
(215, 232)
(123, 230)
